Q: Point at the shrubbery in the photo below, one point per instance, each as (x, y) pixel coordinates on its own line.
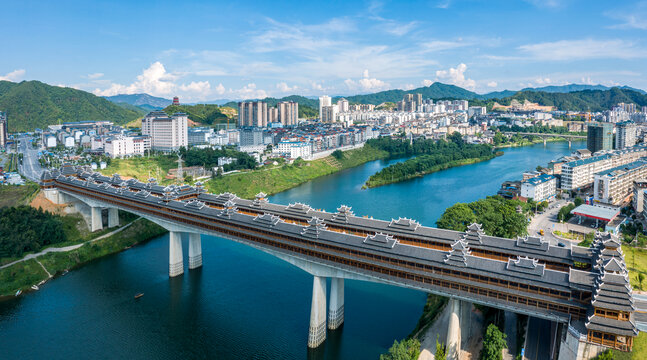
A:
(24, 228)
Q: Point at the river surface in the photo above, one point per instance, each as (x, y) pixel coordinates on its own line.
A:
(243, 303)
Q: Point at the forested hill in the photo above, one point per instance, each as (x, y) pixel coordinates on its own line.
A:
(593, 100)
(33, 104)
(205, 114)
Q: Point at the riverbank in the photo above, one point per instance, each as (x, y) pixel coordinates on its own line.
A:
(375, 182)
(527, 142)
(271, 181)
(39, 269)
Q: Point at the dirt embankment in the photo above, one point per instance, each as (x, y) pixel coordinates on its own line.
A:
(40, 201)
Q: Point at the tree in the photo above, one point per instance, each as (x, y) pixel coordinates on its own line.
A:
(493, 344)
(457, 217)
(578, 201)
(640, 277)
(337, 154)
(408, 349)
(607, 355)
(441, 350)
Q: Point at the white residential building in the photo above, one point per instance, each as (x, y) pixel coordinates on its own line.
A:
(540, 188)
(166, 133)
(69, 142)
(625, 134)
(50, 141)
(329, 113)
(614, 186)
(122, 146)
(295, 149)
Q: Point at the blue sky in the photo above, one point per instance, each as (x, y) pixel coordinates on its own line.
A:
(206, 50)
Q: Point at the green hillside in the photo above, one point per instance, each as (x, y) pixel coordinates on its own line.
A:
(205, 114)
(434, 91)
(593, 100)
(33, 104)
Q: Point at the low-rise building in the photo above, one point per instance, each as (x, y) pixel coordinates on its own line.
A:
(539, 188)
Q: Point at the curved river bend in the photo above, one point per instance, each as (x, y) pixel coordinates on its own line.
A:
(243, 303)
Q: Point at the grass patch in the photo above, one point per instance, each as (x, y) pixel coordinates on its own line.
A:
(636, 260)
(433, 307)
(639, 351)
(14, 195)
(139, 231)
(274, 180)
(143, 168)
(20, 276)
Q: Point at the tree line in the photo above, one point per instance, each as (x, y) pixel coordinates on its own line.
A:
(434, 155)
(24, 229)
(208, 158)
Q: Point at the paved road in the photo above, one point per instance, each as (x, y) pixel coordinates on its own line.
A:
(640, 316)
(510, 331)
(30, 168)
(546, 220)
(538, 339)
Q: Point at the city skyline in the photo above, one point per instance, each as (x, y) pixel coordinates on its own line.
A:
(255, 50)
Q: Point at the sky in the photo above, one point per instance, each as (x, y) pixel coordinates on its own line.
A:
(209, 50)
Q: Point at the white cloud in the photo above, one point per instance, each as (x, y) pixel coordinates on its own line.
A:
(542, 81)
(456, 76)
(94, 76)
(427, 82)
(439, 45)
(408, 87)
(630, 17)
(199, 87)
(154, 81)
(157, 81)
(586, 80)
(283, 87)
(249, 91)
(492, 84)
(584, 49)
(15, 75)
(398, 29)
(546, 3)
(366, 83)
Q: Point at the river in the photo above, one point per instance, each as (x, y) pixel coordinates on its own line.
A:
(243, 303)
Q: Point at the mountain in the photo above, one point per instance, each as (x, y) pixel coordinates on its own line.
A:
(33, 104)
(585, 100)
(577, 87)
(144, 101)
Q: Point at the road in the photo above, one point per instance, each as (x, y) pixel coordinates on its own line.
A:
(546, 220)
(30, 168)
(537, 339)
(640, 316)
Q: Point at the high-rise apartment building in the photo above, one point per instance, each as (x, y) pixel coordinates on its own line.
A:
(329, 113)
(625, 135)
(166, 133)
(323, 101)
(252, 113)
(4, 129)
(342, 105)
(599, 137)
(288, 112)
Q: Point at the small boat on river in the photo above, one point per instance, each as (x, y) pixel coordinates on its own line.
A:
(139, 295)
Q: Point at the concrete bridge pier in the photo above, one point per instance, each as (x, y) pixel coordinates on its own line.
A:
(544, 141)
(175, 264)
(569, 143)
(113, 217)
(195, 251)
(317, 330)
(96, 218)
(453, 343)
(336, 306)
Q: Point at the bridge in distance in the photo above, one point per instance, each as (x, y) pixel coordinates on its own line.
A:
(584, 292)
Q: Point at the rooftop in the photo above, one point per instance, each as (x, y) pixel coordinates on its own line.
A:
(596, 212)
